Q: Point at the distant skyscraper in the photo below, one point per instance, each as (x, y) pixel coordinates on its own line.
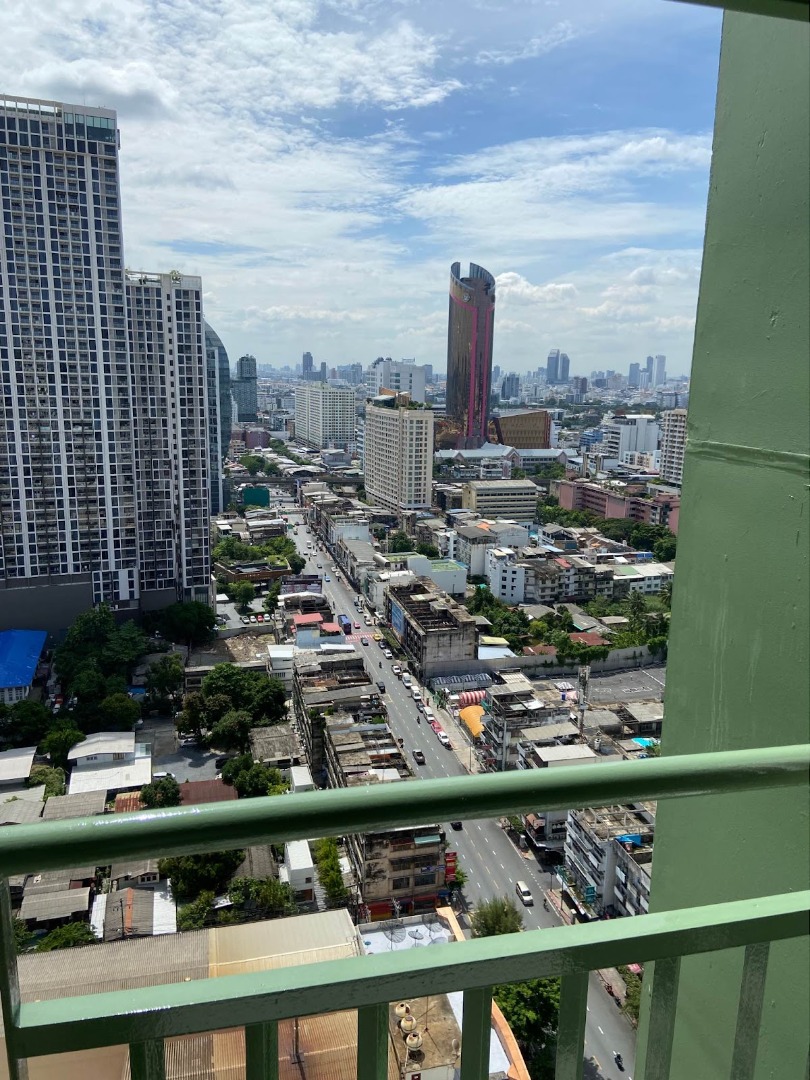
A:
(579, 386)
(660, 370)
(398, 455)
(322, 376)
(633, 375)
(406, 378)
(243, 388)
(219, 413)
(496, 373)
(510, 388)
(650, 366)
(307, 365)
(469, 351)
(673, 445)
(564, 367)
(553, 367)
(325, 416)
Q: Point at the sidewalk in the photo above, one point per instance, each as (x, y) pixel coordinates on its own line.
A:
(609, 976)
(459, 736)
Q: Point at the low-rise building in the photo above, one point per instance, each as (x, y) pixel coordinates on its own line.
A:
(298, 870)
(606, 847)
(512, 705)
(403, 869)
(475, 537)
(647, 578)
(15, 768)
(109, 761)
(662, 508)
(546, 829)
(20, 651)
(256, 571)
(515, 499)
(278, 746)
(432, 629)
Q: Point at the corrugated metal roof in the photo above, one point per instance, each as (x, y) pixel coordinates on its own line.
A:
(85, 804)
(16, 764)
(127, 802)
(197, 792)
(55, 905)
(104, 742)
(20, 651)
(275, 943)
(20, 811)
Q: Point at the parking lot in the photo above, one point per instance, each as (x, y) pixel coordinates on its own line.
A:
(638, 684)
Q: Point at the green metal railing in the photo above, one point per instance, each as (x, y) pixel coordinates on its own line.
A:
(143, 1018)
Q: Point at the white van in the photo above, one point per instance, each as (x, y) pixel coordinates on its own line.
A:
(416, 693)
(523, 893)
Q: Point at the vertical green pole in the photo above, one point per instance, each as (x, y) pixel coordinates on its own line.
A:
(476, 1032)
(664, 1003)
(147, 1060)
(571, 1027)
(372, 1042)
(749, 1014)
(261, 1051)
(10, 983)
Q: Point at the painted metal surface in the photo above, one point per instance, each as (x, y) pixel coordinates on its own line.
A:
(476, 1033)
(182, 1008)
(740, 642)
(372, 1042)
(261, 1052)
(571, 1027)
(102, 839)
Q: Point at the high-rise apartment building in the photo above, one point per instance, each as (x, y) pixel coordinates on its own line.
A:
(81, 372)
(634, 375)
(636, 432)
(325, 416)
(400, 376)
(673, 445)
(469, 352)
(307, 366)
(171, 424)
(67, 470)
(219, 415)
(398, 453)
(660, 376)
(244, 389)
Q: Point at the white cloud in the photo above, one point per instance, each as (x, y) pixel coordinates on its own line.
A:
(511, 286)
(559, 34)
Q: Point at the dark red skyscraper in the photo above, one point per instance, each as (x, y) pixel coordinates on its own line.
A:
(469, 352)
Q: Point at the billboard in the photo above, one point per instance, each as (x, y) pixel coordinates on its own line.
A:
(300, 583)
(397, 620)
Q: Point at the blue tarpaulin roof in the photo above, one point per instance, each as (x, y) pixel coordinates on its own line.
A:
(20, 651)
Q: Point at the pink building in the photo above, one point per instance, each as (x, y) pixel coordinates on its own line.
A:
(661, 509)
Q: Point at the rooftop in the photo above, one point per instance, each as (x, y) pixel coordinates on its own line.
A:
(20, 812)
(20, 651)
(43, 907)
(200, 792)
(76, 805)
(112, 775)
(16, 764)
(104, 742)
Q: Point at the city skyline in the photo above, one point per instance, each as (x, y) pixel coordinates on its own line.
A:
(322, 213)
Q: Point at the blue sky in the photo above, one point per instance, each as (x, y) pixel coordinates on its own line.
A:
(321, 164)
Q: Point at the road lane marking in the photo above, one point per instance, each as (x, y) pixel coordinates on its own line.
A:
(599, 1030)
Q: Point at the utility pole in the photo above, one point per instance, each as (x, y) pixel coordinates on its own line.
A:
(583, 679)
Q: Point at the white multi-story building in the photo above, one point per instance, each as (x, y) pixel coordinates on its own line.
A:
(171, 433)
(401, 376)
(623, 434)
(515, 499)
(673, 445)
(325, 416)
(507, 579)
(399, 453)
(608, 856)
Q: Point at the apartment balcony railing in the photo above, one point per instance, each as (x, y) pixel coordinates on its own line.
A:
(143, 1018)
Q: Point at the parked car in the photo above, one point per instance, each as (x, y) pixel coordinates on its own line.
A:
(246, 619)
(444, 739)
(327, 578)
(254, 618)
(416, 694)
(430, 716)
(397, 670)
(260, 618)
(419, 757)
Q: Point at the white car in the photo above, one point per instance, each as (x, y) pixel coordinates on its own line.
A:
(406, 679)
(397, 670)
(388, 654)
(416, 694)
(429, 714)
(444, 738)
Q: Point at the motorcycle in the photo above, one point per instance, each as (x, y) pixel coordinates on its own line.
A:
(619, 1062)
(418, 718)
(381, 663)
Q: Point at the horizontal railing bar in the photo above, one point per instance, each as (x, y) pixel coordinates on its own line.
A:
(154, 1012)
(106, 838)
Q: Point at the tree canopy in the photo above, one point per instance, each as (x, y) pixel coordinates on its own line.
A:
(253, 691)
(161, 793)
(67, 937)
(60, 740)
(496, 916)
(24, 723)
(243, 593)
(251, 779)
(164, 680)
(192, 623)
(53, 779)
(192, 874)
(119, 712)
(327, 860)
(399, 541)
(508, 622)
(232, 731)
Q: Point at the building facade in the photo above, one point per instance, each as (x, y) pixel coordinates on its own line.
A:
(673, 445)
(403, 377)
(469, 352)
(325, 416)
(513, 499)
(622, 434)
(171, 425)
(557, 368)
(219, 414)
(244, 389)
(432, 629)
(398, 454)
(67, 466)
(526, 430)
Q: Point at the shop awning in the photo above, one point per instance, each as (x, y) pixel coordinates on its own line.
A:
(472, 718)
(471, 697)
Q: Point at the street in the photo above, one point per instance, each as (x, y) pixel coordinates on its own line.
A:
(490, 859)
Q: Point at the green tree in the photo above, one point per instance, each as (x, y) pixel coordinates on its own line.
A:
(161, 793)
(666, 548)
(193, 874)
(430, 551)
(60, 740)
(272, 595)
(636, 610)
(22, 935)
(264, 698)
(86, 638)
(399, 541)
(496, 916)
(122, 649)
(232, 731)
(164, 679)
(666, 595)
(251, 779)
(531, 1009)
(25, 723)
(327, 860)
(67, 937)
(192, 623)
(459, 881)
(252, 463)
(263, 899)
(88, 686)
(53, 779)
(192, 717)
(119, 712)
(198, 913)
(244, 593)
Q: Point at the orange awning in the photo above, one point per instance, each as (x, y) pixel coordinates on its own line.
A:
(472, 718)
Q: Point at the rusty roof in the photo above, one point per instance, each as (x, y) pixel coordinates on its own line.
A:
(197, 792)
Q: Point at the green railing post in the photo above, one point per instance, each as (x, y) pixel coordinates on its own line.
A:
(261, 1051)
(147, 1060)
(749, 1012)
(10, 984)
(372, 1042)
(476, 1032)
(663, 1003)
(571, 1026)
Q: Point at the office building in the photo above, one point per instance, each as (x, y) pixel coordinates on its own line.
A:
(67, 469)
(635, 432)
(171, 428)
(579, 388)
(529, 429)
(660, 376)
(219, 415)
(557, 368)
(398, 453)
(307, 365)
(469, 352)
(325, 416)
(244, 391)
(515, 500)
(673, 445)
(510, 387)
(634, 375)
(402, 377)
